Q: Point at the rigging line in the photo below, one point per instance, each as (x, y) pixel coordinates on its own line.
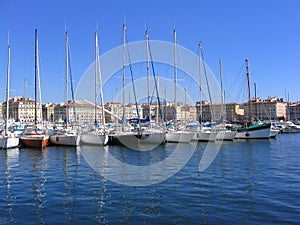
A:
(71, 82)
(205, 73)
(155, 82)
(132, 80)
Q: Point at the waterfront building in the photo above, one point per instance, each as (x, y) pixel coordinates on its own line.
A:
(271, 108)
(293, 111)
(183, 112)
(76, 111)
(23, 110)
(48, 112)
(231, 111)
(114, 111)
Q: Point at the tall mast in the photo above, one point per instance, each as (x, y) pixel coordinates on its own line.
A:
(124, 73)
(221, 82)
(175, 79)
(7, 89)
(200, 82)
(67, 80)
(95, 80)
(100, 79)
(148, 72)
(249, 94)
(35, 77)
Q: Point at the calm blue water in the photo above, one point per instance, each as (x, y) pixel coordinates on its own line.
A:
(249, 182)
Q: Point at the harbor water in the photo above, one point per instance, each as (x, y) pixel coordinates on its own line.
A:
(248, 182)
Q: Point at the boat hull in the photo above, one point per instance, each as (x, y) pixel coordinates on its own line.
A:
(179, 136)
(145, 141)
(259, 132)
(274, 133)
(204, 136)
(291, 130)
(91, 138)
(226, 135)
(67, 140)
(36, 141)
(9, 142)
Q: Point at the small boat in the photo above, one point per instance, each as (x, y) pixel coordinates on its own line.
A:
(204, 135)
(179, 136)
(96, 135)
(8, 140)
(274, 132)
(252, 130)
(290, 127)
(139, 140)
(225, 135)
(64, 137)
(35, 139)
(67, 136)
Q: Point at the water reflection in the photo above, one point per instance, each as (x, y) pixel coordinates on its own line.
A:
(10, 159)
(39, 166)
(134, 168)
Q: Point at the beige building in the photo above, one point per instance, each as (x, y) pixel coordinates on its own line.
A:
(184, 112)
(23, 110)
(48, 112)
(293, 111)
(231, 111)
(115, 110)
(78, 111)
(271, 108)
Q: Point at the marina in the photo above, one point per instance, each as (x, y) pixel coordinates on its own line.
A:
(250, 181)
(160, 112)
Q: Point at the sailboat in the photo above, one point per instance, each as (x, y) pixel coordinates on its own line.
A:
(177, 135)
(35, 137)
(251, 130)
(138, 139)
(8, 140)
(202, 134)
(223, 133)
(96, 136)
(67, 136)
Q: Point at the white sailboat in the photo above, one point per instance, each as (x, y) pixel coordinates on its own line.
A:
(201, 133)
(96, 136)
(223, 133)
(138, 139)
(35, 137)
(8, 140)
(176, 135)
(250, 130)
(67, 136)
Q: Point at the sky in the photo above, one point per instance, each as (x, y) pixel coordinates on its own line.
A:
(266, 32)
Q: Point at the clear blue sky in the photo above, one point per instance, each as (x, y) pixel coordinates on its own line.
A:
(265, 31)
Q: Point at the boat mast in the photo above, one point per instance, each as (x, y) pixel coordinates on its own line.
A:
(100, 79)
(95, 82)
(249, 94)
(35, 78)
(7, 89)
(124, 74)
(148, 74)
(175, 81)
(200, 83)
(67, 72)
(222, 96)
